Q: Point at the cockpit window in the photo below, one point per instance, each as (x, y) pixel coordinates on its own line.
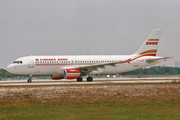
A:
(18, 62)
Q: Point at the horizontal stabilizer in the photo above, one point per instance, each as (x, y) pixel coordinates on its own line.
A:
(155, 59)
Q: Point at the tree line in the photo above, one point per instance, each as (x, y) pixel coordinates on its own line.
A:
(156, 70)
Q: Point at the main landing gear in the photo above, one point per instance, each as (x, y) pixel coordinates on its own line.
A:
(89, 79)
(30, 79)
(79, 79)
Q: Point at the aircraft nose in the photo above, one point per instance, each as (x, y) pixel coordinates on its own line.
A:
(10, 68)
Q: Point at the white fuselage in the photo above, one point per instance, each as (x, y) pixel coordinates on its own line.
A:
(48, 65)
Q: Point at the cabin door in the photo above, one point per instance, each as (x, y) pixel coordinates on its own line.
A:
(31, 62)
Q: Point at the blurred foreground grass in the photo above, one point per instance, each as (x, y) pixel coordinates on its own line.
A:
(92, 111)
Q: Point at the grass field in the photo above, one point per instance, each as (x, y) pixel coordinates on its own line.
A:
(95, 111)
(91, 102)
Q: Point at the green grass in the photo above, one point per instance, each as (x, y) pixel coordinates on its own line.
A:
(93, 111)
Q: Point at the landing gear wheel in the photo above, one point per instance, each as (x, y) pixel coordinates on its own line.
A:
(79, 79)
(29, 81)
(89, 79)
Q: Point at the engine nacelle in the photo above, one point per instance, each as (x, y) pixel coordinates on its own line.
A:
(71, 73)
(57, 76)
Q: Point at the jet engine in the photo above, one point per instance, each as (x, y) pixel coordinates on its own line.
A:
(71, 73)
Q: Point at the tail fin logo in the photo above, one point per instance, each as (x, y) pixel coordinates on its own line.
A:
(151, 43)
(153, 39)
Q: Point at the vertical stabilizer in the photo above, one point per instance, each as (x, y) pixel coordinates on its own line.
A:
(150, 46)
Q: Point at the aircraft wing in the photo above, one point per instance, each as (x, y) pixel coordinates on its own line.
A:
(89, 68)
(155, 59)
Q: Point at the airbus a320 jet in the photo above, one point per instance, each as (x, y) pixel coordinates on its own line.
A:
(74, 67)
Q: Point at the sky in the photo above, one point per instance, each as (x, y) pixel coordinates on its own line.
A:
(86, 27)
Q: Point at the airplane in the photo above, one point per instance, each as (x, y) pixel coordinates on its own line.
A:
(76, 66)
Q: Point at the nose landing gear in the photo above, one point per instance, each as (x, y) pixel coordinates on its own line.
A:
(30, 79)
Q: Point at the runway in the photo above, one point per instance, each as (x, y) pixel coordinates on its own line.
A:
(95, 81)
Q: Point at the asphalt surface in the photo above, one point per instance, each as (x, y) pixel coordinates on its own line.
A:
(94, 82)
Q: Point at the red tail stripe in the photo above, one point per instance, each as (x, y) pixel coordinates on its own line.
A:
(143, 56)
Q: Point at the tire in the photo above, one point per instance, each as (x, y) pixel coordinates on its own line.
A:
(29, 81)
(89, 79)
(79, 79)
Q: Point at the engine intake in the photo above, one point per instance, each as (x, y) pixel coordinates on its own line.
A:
(71, 73)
